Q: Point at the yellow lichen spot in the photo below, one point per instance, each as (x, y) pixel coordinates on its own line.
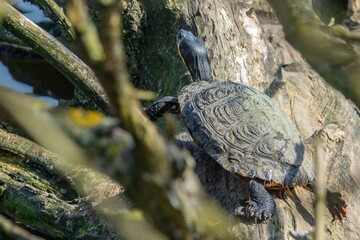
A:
(85, 118)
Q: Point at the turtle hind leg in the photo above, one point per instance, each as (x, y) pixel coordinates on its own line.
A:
(336, 205)
(261, 205)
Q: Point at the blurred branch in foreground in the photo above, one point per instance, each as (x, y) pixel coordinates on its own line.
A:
(160, 177)
(39, 183)
(157, 176)
(320, 193)
(62, 191)
(331, 50)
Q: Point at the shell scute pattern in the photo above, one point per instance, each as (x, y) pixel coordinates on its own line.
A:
(250, 165)
(211, 95)
(188, 108)
(203, 134)
(193, 120)
(218, 151)
(242, 129)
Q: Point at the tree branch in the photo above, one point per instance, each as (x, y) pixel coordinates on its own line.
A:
(329, 49)
(53, 11)
(55, 53)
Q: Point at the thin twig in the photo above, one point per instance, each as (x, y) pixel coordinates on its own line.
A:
(320, 192)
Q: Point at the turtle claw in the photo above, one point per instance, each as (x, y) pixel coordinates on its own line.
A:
(253, 210)
(261, 205)
(337, 206)
(258, 212)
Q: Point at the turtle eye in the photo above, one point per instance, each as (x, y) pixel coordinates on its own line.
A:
(180, 35)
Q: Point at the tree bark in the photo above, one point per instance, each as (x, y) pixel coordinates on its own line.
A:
(249, 46)
(313, 38)
(40, 195)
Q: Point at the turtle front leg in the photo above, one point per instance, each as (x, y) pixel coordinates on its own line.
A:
(261, 205)
(162, 106)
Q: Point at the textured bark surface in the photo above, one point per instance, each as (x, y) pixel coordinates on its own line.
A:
(353, 14)
(249, 46)
(238, 49)
(47, 204)
(39, 189)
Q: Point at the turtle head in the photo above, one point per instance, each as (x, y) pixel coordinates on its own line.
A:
(194, 54)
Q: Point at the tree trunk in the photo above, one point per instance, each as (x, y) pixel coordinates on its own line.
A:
(246, 44)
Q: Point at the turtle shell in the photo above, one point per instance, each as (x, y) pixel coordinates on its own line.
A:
(244, 131)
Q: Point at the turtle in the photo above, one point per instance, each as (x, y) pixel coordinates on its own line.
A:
(243, 130)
